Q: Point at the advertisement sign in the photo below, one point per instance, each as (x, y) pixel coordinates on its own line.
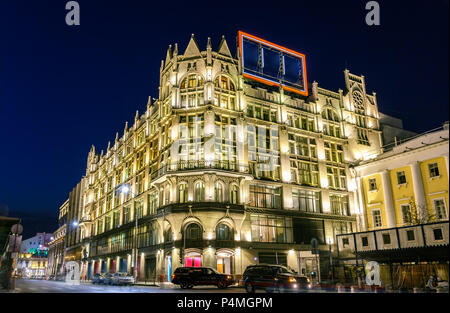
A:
(272, 64)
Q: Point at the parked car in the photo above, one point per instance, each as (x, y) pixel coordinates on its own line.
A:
(107, 279)
(51, 277)
(188, 277)
(122, 278)
(273, 278)
(98, 279)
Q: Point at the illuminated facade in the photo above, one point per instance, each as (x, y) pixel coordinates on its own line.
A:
(224, 171)
(57, 248)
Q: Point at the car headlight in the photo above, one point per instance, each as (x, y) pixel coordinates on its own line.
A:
(228, 277)
(292, 280)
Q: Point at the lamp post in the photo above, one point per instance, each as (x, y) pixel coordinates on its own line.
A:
(125, 189)
(330, 242)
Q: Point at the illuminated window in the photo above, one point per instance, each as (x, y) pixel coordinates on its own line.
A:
(199, 192)
(218, 191)
(183, 193)
(234, 197)
(223, 232)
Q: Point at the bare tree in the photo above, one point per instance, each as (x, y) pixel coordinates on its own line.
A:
(419, 214)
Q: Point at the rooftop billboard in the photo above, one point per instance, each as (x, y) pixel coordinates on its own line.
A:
(272, 64)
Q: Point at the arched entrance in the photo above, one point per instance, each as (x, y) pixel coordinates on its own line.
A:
(224, 260)
(193, 258)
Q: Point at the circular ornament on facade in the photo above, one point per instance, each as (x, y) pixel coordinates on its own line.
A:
(358, 98)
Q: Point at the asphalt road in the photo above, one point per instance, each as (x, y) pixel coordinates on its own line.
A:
(49, 286)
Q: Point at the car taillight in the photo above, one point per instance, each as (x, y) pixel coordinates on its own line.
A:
(228, 277)
(173, 276)
(292, 280)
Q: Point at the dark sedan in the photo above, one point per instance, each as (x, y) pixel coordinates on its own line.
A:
(188, 277)
(273, 278)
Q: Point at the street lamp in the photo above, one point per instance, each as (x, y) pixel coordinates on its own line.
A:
(125, 189)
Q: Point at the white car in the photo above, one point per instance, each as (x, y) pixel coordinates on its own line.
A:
(122, 278)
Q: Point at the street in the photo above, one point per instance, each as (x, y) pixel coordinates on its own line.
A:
(50, 286)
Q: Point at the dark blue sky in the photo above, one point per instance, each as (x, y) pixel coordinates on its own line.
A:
(64, 88)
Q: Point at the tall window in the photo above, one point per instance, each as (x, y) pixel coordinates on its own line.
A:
(339, 205)
(271, 229)
(334, 152)
(183, 193)
(139, 207)
(376, 216)
(199, 191)
(116, 217)
(191, 89)
(194, 232)
(265, 196)
(306, 201)
(225, 95)
(439, 207)
(406, 213)
(401, 177)
(152, 202)
(234, 194)
(223, 232)
(336, 177)
(218, 191)
(372, 184)
(126, 215)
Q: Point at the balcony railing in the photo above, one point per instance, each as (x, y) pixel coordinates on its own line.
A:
(199, 165)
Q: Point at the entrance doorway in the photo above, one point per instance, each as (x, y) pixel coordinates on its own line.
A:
(150, 268)
(168, 267)
(193, 259)
(224, 261)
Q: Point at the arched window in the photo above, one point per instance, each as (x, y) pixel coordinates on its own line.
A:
(234, 194)
(193, 232)
(192, 94)
(183, 193)
(168, 235)
(223, 232)
(330, 115)
(225, 95)
(224, 82)
(218, 190)
(192, 81)
(199, 191)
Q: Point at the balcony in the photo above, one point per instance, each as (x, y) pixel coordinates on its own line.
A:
(199, 165)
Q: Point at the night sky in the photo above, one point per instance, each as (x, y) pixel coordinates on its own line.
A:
(64, 88)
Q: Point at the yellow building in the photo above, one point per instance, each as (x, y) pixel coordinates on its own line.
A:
(403, 201)
(407, 185)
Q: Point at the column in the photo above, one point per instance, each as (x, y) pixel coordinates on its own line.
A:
(388, 199)
(419, 193)
(362, 208)
(446, 163)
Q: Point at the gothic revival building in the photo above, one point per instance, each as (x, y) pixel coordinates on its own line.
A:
(224, 171)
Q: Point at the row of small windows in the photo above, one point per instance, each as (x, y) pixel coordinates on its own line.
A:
(433, 171)
(194, 81)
